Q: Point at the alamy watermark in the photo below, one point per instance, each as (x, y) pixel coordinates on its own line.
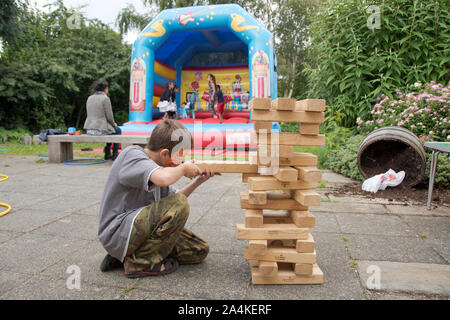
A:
(374, 19)
(74, 280)
(374, 280)
(267, 154)
(74, 21)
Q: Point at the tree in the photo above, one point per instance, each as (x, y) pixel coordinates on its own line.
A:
(10, 11)
(48, 72)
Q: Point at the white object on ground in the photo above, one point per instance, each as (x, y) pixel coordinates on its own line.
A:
(382, 181)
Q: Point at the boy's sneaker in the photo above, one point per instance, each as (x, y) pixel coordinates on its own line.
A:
(110, 263)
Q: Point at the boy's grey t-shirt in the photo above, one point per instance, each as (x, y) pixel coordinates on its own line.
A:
(128, 190)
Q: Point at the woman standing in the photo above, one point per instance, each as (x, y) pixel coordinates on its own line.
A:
(100, 118)
(212, 93)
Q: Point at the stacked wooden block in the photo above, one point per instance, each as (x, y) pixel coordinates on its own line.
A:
(281, 249)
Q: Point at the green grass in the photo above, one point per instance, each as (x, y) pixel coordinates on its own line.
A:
(353, 264)
(22, 149)
(320, 152)
(322, 184)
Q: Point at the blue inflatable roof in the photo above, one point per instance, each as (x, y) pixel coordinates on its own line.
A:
(175, 36)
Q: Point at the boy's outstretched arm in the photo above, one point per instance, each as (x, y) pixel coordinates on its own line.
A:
(187, 190)
(164, 177)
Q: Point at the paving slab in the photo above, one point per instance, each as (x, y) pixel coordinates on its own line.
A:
(42, 287)
(340, 280)
(420, 278)
(373, 224)
(228, 217)
(391, 248)
(32, 253)
(221, 239)
(8, 235)
(325, 222)
(334, 178)
(20, 200)
(430, 227)
(27, 220)
(10, 280)
(219, 276)
(344, 207)
(441, 247)
(379, 295)
(72, 227)
(419, 210)
(92, 210)
(359, 199)
(66, 204)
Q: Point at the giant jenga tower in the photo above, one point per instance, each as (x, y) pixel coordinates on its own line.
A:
(281, 249)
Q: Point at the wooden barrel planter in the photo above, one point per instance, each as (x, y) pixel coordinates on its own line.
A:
(393, 148)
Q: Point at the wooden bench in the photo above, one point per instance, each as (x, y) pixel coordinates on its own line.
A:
(60, 147)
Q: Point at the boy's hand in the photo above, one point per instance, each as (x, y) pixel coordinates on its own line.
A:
(190, 170)
(208, 173)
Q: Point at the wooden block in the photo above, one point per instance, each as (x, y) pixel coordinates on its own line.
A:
(259, 104)
(288, 138)
(277, 220)
(274, 202)
(228, 166)
(272, 231)
(286, 275)
(284, 104)
(299, 159)
(288, 243)
(309, 128)
(258, 247)
(307, 197)
(254, 218)
(303, 219)
(262, 125)
(267, 151)
(246, 176)
(288, 116)
(253, 263)
(315, 105)
(286, 174)
(309, 174)
(305, 245)
(282, 254)
(272, 183)
(257, 197)
(268, 268)
(303, 269)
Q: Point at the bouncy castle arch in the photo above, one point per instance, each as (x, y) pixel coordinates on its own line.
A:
(171, 40)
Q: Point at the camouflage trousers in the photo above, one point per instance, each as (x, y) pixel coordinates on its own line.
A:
(158, 231)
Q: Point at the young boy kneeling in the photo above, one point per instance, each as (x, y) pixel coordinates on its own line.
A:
(142, 216)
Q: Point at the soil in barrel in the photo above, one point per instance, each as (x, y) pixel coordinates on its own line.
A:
(383, 155)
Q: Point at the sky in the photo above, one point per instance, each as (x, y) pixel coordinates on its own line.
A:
(104, 10)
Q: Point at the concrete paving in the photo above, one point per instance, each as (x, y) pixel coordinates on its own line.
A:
(51, 234)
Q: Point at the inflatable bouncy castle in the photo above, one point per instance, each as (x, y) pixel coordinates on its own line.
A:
(183, 45)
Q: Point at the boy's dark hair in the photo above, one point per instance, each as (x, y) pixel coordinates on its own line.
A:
(217, 87)
(100, 85)
(161, 137)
